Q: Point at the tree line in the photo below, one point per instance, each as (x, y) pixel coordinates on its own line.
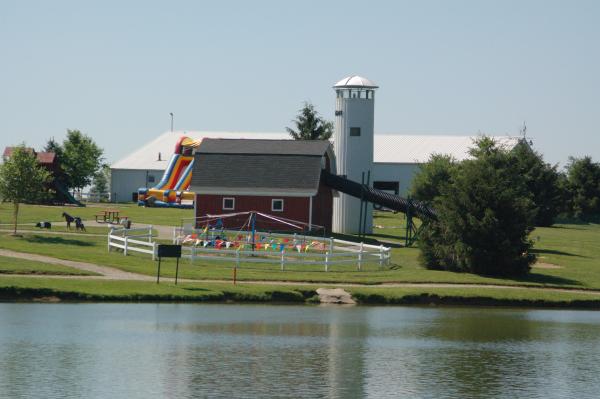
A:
(487, 205)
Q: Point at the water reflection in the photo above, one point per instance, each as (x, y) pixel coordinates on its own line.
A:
(185, 351)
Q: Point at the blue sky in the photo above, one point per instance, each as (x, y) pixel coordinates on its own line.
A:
(115, 69)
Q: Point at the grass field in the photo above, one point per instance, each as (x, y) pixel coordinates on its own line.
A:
(23, 266)
(574, 251)
(569, 256)
(138, 214)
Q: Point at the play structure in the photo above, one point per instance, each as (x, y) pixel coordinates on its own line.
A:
(59, 194)
(172, 189)
(254, 237)
(365, 193)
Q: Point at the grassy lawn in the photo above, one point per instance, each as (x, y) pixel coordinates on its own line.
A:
(574, 251)
(23, 266)
(23, 287)
(138, 214)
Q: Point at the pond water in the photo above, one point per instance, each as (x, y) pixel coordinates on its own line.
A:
(255, 351)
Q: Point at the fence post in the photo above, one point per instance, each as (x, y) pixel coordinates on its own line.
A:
(154, 251)
(331, 244)
(109, 234)
(326, 261)
(150, 233)
(125, 246)
(282, 260)
(389, 257)
(381, 256)
(360, 254)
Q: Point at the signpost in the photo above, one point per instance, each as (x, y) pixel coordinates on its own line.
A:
(168, 251)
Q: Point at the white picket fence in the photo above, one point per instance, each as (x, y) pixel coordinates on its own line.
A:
(131, 240)
(338, 252)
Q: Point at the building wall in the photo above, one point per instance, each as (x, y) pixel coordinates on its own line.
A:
(354, 155)
(295, 208)
(403, 173)
(125, 182)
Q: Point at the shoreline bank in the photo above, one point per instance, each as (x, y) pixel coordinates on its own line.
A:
(189, 293)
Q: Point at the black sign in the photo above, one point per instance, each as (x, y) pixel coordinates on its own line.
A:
(169, 251)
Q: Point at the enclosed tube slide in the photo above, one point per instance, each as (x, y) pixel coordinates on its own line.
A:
(379, 197)
(173, 188)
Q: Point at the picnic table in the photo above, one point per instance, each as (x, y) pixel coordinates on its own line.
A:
(110, 216)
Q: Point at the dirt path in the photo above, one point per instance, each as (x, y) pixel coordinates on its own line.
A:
(111, 273)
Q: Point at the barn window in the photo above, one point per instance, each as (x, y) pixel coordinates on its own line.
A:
(150, 178)
(277, 205)
(354, 131)
(228, 204)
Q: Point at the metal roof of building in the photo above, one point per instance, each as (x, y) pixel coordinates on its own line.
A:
(146, 156)
(393, 148)
(388, 148)
(355, 81)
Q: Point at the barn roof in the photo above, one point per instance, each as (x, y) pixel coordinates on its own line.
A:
(388, 148)
(256, 146)
(258, 167)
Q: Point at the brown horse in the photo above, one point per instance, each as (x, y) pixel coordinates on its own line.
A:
(69, 219)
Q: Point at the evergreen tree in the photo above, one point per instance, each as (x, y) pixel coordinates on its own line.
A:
(310, 126)
(22, 179)
(432, 177)
(583, 186)
(483, 218)
(542, 181)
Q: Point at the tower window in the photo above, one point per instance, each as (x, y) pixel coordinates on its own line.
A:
(354, 131)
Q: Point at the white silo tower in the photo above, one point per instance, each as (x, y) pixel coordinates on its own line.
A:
(353, 147)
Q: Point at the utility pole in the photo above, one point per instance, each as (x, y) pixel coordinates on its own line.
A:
(170, 113)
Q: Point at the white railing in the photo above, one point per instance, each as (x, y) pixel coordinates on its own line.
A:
(335, 252)
(131, 240)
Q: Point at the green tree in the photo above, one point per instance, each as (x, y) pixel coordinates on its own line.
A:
(22, 179)
(542, 181)
(101, 182)
(483, 218)
(432, 177)
(82, 158)
(583, 186)
(310, 126)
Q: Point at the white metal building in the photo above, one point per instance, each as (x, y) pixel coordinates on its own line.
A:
(396, 157)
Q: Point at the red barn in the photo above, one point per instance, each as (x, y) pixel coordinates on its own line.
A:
(277, 177)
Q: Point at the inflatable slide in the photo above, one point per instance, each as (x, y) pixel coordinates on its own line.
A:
(172, 189)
